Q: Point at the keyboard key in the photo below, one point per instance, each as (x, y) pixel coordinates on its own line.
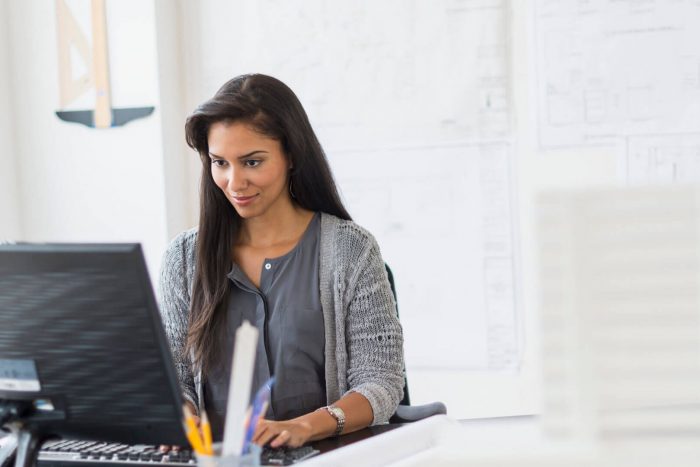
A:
(285, 456)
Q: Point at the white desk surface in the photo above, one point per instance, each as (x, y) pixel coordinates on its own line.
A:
(502, 442)
(428, 438)
(519, 442)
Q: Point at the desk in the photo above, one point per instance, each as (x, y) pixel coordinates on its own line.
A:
(329, 444)
(389, 444)
(523, 428)
(384, 445)
(410, 439)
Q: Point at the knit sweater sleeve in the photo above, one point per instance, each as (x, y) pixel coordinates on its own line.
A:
(174, 297)
(374, 337)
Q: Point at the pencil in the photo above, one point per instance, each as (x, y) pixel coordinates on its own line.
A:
(206, 434)
(192, 432)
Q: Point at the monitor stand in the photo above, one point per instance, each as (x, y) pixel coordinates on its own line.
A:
(28, 444)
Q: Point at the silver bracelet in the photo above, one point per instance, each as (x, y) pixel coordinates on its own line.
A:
(339, 415)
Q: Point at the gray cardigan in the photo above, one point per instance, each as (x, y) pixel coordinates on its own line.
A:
(363, 337)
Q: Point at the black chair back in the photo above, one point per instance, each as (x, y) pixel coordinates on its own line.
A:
(405, 412)
(406, 399)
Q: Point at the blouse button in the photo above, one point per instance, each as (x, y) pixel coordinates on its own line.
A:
(268, 266)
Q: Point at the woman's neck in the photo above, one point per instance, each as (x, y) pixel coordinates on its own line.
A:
(280, 227)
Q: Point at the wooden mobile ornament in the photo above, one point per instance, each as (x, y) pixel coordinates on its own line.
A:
(96, 77)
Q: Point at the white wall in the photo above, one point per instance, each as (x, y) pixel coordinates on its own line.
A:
(179, 174)
(64, 182)
(539, 170)
(10, 224)
(77, 183)
(218, 48)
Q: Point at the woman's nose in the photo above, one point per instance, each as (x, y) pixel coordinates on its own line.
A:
(236, 181)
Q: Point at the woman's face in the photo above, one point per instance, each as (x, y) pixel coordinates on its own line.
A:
(251, 169)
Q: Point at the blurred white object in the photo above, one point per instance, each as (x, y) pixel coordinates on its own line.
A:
(8, 444)
(239, 388)
(620, 312)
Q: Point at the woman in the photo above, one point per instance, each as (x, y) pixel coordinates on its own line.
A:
(276, 247)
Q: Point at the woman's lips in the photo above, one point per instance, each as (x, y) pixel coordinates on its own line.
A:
(243, 200)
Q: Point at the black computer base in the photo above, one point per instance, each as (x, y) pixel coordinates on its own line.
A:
(13, 415)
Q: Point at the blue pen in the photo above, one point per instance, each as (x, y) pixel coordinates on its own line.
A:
(262, 397)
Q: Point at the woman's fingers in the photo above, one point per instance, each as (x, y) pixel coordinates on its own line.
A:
(266, 437)
(165, 448)
(276, 434)
(265, 434)
(259, 431)
(273, 435)
(281, 439)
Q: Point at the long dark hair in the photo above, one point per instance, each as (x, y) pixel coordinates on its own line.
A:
(271, 108)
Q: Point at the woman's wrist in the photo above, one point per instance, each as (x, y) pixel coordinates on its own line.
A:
(320, 424)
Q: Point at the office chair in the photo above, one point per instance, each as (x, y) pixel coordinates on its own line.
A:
(405, 412)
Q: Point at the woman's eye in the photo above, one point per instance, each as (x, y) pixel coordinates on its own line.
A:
(251, 162)
(218, 162)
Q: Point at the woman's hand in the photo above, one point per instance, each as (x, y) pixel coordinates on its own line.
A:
(315, 425)
(293, 433)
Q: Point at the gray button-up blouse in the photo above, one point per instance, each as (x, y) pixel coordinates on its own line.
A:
(286, 309)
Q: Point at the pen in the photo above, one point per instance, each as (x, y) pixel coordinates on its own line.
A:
(260, 403)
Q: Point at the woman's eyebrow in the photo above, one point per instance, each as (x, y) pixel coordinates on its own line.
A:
(258, 151)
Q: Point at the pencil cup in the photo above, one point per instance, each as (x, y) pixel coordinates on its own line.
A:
(252, 459)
